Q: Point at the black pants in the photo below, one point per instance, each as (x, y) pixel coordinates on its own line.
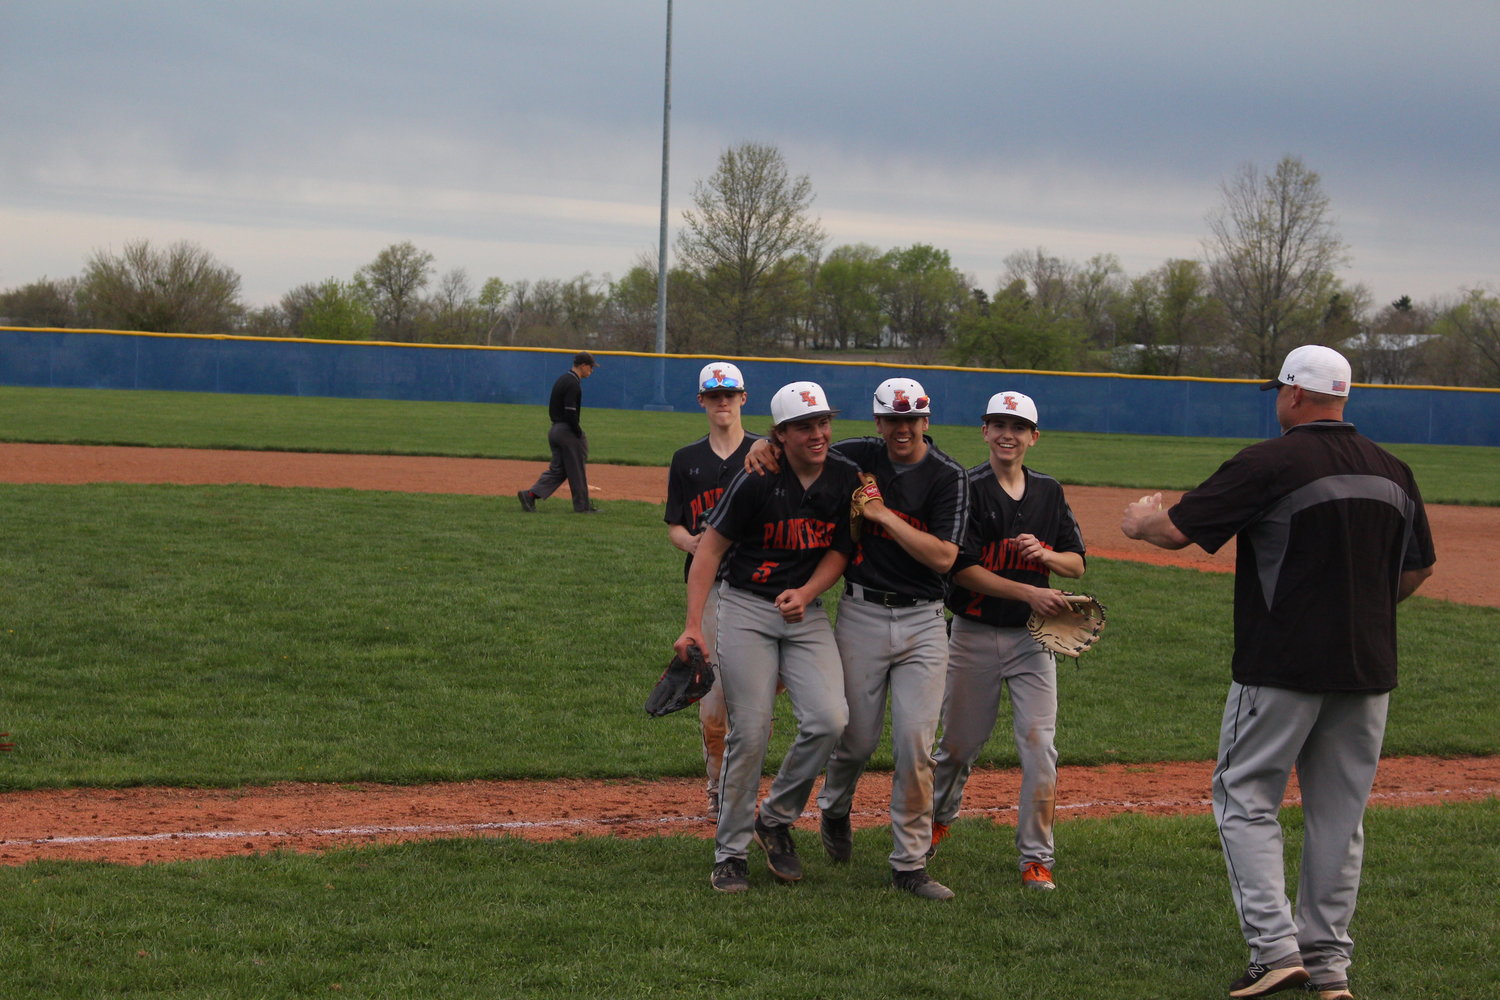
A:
(570, 455)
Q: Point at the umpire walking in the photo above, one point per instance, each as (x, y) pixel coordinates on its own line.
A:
(570, 446)
(1332, 535)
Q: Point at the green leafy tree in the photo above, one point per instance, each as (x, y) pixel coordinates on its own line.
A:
(41, 303)
(181, 289)
(1011, 331)
(1169, 321)
(922, 296)
(749, 219)
(846, 302)
(329, 310)
(393, 284)
(629, 315)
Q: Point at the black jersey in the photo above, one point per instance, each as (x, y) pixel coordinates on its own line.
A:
(1327, 522)
(565, 404)
(696, 481)
(995, 519)
(932, 496)
(781, 531)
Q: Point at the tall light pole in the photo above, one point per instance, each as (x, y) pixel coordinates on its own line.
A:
(661, 256)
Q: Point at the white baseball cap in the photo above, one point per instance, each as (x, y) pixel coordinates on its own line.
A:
(720, 375)
(798, 401)
(902, 397)
(1314, 368)
(1012, 404)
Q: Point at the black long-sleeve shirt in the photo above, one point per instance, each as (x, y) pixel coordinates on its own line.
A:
(567, 401)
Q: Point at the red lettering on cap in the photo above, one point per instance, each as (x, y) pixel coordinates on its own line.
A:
(1011, 403)
(900, 394)
(809, 398)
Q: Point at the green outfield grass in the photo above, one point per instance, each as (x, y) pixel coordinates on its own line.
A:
(1142, 911)
(1447, 474)
(220, 635)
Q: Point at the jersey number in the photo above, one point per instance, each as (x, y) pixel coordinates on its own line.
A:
(763, 573)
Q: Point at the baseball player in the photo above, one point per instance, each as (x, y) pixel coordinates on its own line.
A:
(695, 481)
(1332, 536)
(782, 540)
(1020, 531)
(891, 630)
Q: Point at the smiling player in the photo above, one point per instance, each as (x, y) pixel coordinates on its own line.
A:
(782, 540)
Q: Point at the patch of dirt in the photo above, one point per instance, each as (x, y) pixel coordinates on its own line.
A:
(143, 825)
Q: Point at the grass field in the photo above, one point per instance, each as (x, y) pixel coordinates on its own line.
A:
(1142, 912)
(222, 635)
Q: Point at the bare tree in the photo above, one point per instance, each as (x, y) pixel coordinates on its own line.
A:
(181, 289)
(1272, 254)
(748, 219)
(1473, 326)
(1049, 278)
(1391, 350)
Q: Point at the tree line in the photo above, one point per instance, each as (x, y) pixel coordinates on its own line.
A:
(753, 277)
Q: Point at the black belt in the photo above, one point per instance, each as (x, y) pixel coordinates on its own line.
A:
(885, 598)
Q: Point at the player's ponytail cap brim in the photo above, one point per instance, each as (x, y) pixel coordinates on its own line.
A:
(799, 401)
(1314, 368)
(1012, 404)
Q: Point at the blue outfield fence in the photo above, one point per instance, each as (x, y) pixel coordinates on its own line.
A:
(1117, 404)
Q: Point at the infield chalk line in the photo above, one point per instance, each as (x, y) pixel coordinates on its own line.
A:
(441, 828)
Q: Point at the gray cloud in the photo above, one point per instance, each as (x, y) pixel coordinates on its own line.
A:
(523, 139)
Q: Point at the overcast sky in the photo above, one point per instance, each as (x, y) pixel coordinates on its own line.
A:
(295, 140)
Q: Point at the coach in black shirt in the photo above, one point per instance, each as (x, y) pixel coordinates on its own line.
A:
(570, 446)
(1332, 534)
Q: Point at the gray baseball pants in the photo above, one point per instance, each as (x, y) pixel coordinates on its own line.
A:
(755, 649)
(1333, 740)
(900, 654)
(982, 659)
(570, 455)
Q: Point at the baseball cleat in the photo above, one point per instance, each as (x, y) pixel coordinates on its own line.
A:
(838, 838)
(1330, 991)
(919, 883)
(528, 502)
(731, 876)
(939, 834)
(1261, 980)
(1038, 876)
(781, 853)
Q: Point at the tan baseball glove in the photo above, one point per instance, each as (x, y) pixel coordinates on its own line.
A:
(863, 494)
(1074, 631)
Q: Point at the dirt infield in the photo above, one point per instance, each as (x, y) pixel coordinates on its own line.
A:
(142, 825)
